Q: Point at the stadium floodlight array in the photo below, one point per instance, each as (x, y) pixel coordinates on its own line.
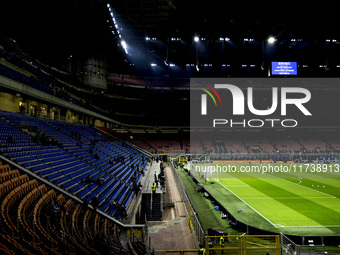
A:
(117, 29)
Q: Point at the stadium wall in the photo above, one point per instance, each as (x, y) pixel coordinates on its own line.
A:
(9, 102)
(41, 99)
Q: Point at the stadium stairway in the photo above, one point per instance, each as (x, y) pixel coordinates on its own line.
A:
(156, 209)
(174, 223)
(152, 206)
(146, 206)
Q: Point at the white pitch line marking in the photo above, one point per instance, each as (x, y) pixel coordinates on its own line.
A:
(309, 188)
(247, 204)
(243, 183)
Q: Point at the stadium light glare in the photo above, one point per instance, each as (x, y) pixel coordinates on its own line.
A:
(124, 46)
(271, 39)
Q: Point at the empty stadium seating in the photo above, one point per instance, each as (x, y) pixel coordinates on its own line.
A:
(30, 225)
(73, 156)
(275, 145)
(80, 159)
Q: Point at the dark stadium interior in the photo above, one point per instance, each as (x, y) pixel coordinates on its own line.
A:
(95, 100)
(58, 29)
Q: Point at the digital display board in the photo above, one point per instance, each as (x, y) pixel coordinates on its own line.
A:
(284, 68)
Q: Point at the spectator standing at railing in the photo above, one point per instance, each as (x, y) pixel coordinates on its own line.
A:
(222, 241)
(202, 250)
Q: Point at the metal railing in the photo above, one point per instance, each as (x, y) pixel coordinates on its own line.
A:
(235, 244)
(331, 156)
(142, 244)
(194, 223)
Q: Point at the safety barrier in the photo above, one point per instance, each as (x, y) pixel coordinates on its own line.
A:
(235, 244)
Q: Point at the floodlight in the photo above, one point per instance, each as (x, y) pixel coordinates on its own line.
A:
(271, 39)
(124, 46)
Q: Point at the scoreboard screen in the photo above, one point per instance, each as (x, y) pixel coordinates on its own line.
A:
(284, 68)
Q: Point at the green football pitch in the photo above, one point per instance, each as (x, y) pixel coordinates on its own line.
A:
(291, 204)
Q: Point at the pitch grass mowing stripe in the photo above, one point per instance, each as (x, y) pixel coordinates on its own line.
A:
(330, 186)
(248, 204)
(323, 212)
(314, 211)
(248, 216)
(312, 188)
(233, 203)
(309, 208)
(279, 198)
(293, 188)
(269, 208)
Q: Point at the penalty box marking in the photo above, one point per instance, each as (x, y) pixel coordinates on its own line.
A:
(233, 178)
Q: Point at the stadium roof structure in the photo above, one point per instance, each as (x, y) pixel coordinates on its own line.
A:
(157, 37)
